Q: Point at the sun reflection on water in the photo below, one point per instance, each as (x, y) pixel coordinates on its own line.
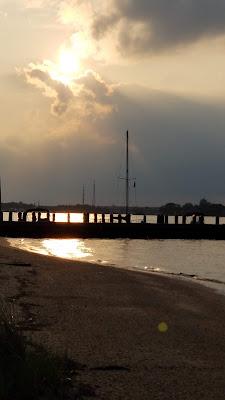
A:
(67, 248)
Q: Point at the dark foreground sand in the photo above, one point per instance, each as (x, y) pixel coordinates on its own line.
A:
(107, 320)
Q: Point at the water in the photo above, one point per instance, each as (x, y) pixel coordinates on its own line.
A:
(201, 261)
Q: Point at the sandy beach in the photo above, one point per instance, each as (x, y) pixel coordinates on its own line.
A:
(109, 321)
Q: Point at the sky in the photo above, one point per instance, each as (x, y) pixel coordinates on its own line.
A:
(75, 75)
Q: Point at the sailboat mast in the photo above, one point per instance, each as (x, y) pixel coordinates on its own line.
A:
(83, 196)
(93, 198)
(0, 194)
(127, 173)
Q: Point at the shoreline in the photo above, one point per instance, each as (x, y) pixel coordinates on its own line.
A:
(215, 284)
(108, 320)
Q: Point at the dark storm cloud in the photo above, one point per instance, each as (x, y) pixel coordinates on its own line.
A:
(180, 146)
(177, 154)
(147, 26)
(177, 146)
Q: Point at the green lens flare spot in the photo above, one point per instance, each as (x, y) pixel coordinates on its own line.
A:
(163, 327)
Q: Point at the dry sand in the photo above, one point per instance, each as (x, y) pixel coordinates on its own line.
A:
(107, 320)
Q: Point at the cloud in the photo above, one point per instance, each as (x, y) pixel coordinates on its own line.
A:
(37, 4)
(147, 26)
(61, 94)
(177, 145)
(88, 95)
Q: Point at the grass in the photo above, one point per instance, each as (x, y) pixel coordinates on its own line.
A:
(28, 371)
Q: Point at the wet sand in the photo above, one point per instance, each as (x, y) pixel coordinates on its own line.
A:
(108, 319)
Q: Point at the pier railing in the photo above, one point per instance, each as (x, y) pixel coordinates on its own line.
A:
(94, 218)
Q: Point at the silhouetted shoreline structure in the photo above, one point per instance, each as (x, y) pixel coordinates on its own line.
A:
(32, 223)
(170, 209)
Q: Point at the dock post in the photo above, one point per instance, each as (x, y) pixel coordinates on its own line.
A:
(144, 219)
(201, 219)
(160, 219)
(68, 218)
(53, 217)
(10, 216)
(25, 216)
(19, 216)
(119, 219)
(34, 219)
(128, 218)
(48, 216)
(111, 218)
(166, 219)
(184, 219)
(39, 215)
(217, 220)
(95, 218)
(103, 218)
(1, 216)
(176, 219)
(193, 219)
(86, 218)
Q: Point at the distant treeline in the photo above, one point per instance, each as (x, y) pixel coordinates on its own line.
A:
(204, 207)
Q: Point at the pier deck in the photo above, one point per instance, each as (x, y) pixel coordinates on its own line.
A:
(43, 229)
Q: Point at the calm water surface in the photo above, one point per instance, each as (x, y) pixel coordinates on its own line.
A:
(202, 261)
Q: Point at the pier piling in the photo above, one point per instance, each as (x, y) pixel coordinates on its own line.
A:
(160, 219)
(128, 218)
(86, 218)
(34, 218)
(184, 219)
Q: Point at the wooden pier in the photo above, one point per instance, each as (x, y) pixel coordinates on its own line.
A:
(118, 227)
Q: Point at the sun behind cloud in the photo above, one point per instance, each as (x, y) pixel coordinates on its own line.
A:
(67, 68)
(73, 59)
